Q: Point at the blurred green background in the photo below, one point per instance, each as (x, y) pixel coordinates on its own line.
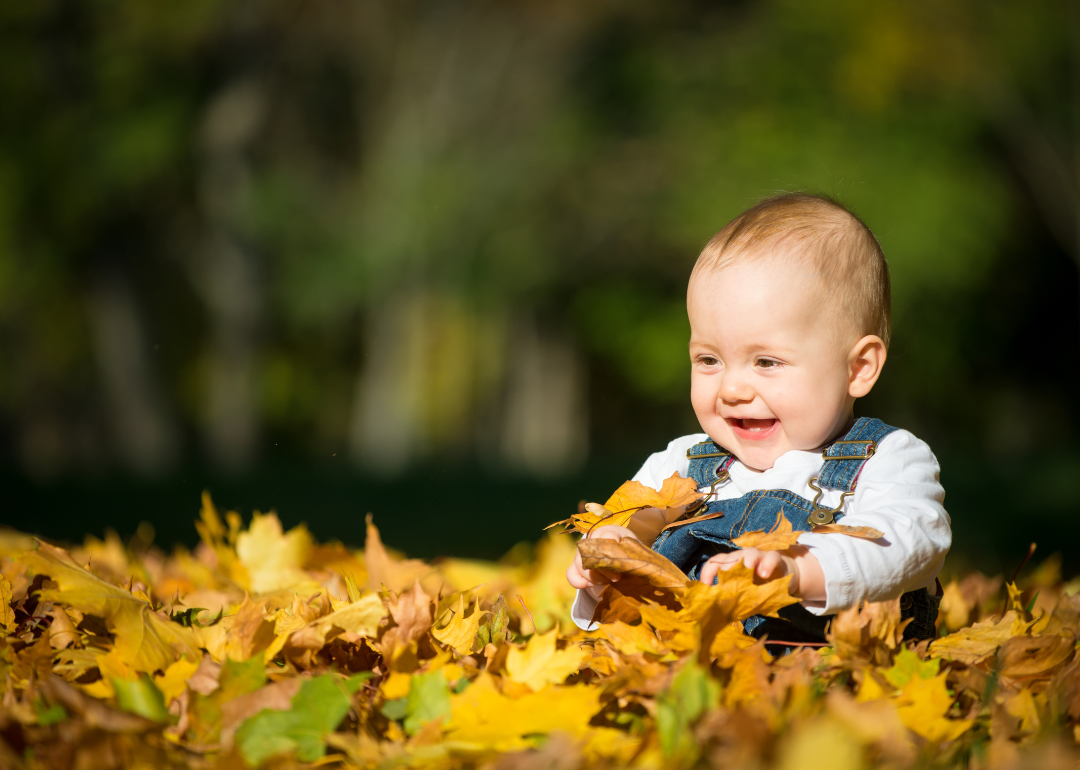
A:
(428, 259)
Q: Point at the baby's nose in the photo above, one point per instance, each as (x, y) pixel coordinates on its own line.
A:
(735, 389)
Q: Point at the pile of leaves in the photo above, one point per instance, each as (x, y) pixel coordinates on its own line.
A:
(262, 648)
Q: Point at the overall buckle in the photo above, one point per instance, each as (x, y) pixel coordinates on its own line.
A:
(821, 515)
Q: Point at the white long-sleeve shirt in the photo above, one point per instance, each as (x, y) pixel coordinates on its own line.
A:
(898, 493)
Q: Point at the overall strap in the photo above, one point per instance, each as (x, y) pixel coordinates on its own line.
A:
(709, 463)
(843, 460)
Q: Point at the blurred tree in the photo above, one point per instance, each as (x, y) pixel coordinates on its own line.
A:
(415, 229)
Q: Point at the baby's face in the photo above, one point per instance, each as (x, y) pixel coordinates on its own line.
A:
(770, 369)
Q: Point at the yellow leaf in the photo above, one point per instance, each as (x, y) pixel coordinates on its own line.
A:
(396, 685)
(630, 640)
(483, 716)
(7, 615)
(870, 689)
(738, 593)
(460, 632)
(922, 706)
(633, 496)
(144, 639)
(174, 681)
(361, 618)
(954, 608)
(779, 538)
(540, 664)
(975, 644)
(820, 744)
(675, 631)
(272, 558)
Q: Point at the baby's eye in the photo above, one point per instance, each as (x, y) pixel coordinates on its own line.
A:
(766, 363)
(707, 360)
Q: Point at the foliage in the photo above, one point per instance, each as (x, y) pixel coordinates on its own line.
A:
(368, 659)
(236, 221)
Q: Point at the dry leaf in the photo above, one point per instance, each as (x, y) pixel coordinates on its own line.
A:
(632, 497)
(460, 631)
(631, 557)
(779, 538)
(863, 533)
(540, 664)
(144, 639)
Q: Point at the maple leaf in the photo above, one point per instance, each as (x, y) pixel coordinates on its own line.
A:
(863, 533)
(632, 497)
(631, 557)
(460, 631)
(272, 558)
(676, 631)
(738, 593)
(923, 704)
(250, 631)
(779, 538)
(630, 640)
(411, 613)
(623, 600)
(907, 665)
(540, 664)
(173, 681)
(1027, 656)
(483, 716)
(385, 571)
(980, 641)
(7, 615)
(147, 641)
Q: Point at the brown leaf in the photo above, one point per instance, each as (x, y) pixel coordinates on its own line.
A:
(623, 599)
(411, 612)
(386, 571)
(867, 632)
(251, 632)
(1024, 656)
(205, 679)
(978, 642)
(863, 533)
(630, 557)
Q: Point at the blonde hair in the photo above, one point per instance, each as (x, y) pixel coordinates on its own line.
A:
(818, 231)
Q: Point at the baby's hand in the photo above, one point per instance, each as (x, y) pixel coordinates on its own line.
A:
(766, 565)
(592, 581)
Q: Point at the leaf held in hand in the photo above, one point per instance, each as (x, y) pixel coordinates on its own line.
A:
(630, 557)
(632, 497)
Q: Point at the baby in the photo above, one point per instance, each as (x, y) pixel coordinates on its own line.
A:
(789, 311)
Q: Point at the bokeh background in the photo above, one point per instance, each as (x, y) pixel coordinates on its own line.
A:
(427, 259)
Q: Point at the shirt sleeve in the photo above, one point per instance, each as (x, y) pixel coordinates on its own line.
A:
(900, 494)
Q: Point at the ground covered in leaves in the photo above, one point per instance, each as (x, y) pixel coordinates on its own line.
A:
(262, 648)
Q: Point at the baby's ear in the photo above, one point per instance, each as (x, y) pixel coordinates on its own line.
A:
(865, 361)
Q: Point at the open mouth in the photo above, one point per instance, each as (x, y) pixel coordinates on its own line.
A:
(753, 429)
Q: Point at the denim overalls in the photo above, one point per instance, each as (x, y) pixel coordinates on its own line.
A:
(690, 543)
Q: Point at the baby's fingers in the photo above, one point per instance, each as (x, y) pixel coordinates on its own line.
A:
(770, 566)
(722, 561)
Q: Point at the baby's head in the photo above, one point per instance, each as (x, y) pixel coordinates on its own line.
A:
(789, 324)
